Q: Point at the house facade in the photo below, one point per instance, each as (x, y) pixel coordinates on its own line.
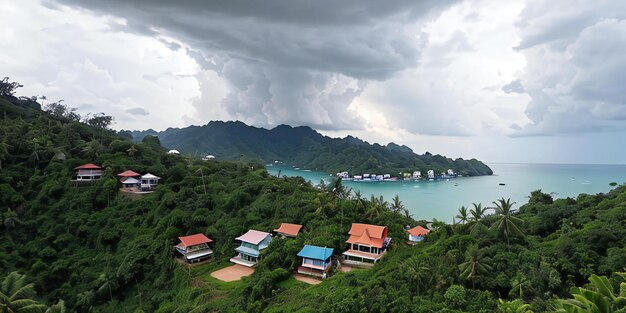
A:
(194, 248)
(88, 172)
(316, 261)
(252, 243)
(367, 244)
(149, 182)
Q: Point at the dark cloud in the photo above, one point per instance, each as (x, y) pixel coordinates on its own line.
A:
(282, 58)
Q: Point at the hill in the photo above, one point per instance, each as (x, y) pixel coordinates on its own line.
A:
(100, 251)
(306, 148)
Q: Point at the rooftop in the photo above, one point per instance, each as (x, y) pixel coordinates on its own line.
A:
(418, 231)
(366, 234)
(289, 229)
(315, 252)
(193, 240)
(128, 173)
(88, 166)
(253, 236)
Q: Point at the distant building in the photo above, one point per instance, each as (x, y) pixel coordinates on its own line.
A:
(431, 174)
(450, 172)
(208, 157)
(316, 261)
(174, 152)
(417, 174)
(252, 243)
(88, 172)
(149, 182)
(417, 233)
(194, 248)
(288, 230)
(367, 243)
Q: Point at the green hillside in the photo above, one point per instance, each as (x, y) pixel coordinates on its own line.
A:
(306, 148)
(100, 251)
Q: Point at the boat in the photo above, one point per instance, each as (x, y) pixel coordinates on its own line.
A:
(502, 184)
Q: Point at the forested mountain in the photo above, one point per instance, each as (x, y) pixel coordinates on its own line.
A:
(306, 148)
(92, 249)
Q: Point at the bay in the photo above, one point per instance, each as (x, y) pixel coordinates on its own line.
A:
(441, 199)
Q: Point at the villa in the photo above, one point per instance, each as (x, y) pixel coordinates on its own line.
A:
(130, 180)
(416, 234)
(368, 243)
(431, 174)
(288, 230)
(173, 152)
(316, 261)
(88, 172)
(194, 248)
(252, 243)
(149, 182)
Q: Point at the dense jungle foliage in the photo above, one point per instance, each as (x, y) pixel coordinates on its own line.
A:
(308, 149)
(88, 248)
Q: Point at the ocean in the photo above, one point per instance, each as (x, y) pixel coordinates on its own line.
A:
(441, 199)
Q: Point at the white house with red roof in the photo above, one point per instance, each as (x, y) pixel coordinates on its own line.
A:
(367, 243)
(252, 243)
(88, 172)
(194, 248)
(416, 234)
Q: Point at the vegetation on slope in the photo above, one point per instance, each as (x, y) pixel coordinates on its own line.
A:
(91, 249)
(306, 148)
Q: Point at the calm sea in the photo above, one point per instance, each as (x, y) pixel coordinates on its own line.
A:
(441, 199)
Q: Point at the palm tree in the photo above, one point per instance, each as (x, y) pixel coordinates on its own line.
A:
(105, 285)
(476, 226)
(10, 219)
(57, 308)
(132, 151)
(507, 224)
(4, 151)
(396, 204)
(463, 217)
(599, 299)
(16, 295)
(417, 271)
(518, 283)
(475, 266)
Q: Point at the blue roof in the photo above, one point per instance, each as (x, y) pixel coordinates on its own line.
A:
(315, 252)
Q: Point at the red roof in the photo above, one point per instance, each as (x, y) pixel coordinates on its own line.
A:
(418, 231)
(88, 166)
(128, 173)
(288, 229)
(193, 240)
(365, 234)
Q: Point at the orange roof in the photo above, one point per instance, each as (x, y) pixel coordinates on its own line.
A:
(418, 231)
(128, 173)
(193, 240)
(88, 166)
(288, 229)
(365, 234)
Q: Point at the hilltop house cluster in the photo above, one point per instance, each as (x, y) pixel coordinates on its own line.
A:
(131, 182)
(367, 244)
(416, 175)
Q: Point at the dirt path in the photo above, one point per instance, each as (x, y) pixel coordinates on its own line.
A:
(307, 279)
(232, 273)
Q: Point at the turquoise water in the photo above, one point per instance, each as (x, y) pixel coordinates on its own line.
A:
(441, 199)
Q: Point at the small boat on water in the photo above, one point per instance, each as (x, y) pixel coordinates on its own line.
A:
(502, 184)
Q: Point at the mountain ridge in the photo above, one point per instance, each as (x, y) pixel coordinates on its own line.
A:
(304, 147)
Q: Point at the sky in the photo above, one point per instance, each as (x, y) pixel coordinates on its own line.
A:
(520, 81)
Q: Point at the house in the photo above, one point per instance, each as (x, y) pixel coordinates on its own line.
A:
(450, 172)
(252, 243)
(87, 172)
(431, 174)
(130, 184)
(174, 152)
(368, 243)
(288, 230)
(208, 157)
(417, 175)
(416, 234)
(149, 181)
(194, 248)
(316, 261)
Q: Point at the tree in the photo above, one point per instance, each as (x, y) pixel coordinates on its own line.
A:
(132, 151)
(4, 151)
(396, 204)
(8, 88)
(463, 217)
(599, 298)
(475, 223)
(518, 284)
(417, 271)
(507, 224)
(475, 266)
(99, 120)
(16, 295)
